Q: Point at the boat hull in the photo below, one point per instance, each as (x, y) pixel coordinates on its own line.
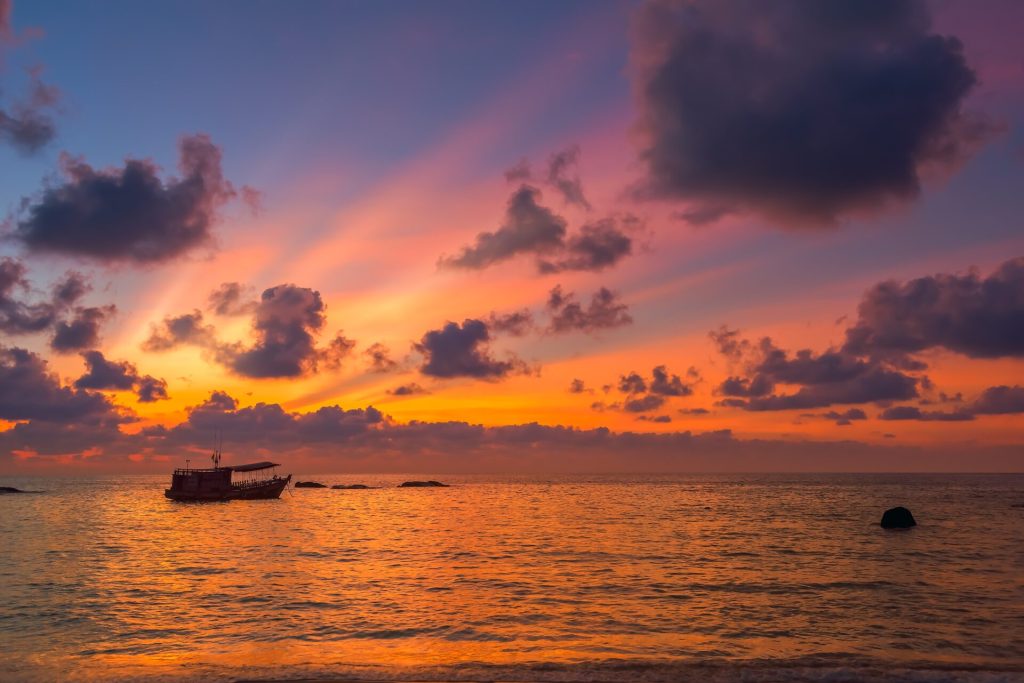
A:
(264, 491)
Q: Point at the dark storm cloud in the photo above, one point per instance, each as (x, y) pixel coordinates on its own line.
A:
(231, 299)
(380, 358)
(596, 246)
(82, 331)
(463, 351)
(563, 175)
(802, 111)
(604, 312)
(529, 228)
(185, 329)
(129, 214)
(514, 324)
(29, 391)
(979, 317)
(107, 375)
(410, 389)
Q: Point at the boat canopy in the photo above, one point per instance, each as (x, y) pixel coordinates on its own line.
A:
(252, 467)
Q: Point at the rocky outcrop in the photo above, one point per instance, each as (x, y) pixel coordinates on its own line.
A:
(348, 487)
(898, 518)
(11, 489)
(420, 484)
(309, 485)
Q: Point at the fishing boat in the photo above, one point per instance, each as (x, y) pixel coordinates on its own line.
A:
(258, 480)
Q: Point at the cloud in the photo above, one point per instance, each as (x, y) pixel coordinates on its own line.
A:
(29, 391)
(410, 389)
(129, 215)
(16, 316)
(694, 411)
(1001, 400)
(232, 299)
(666, 384)
(577, 386)
(514, 324)
(529, 228)
(286, 321)
(464, 351)
(363, 439)
(596, 246)
(915, 413)
(643, 404)
(843, 419)
(185, 329)
(998, 400)
(150, 389)
(663, 419)
(563, 175)
(729, 343)
(805, 112)
(82, 331)
(633, 383)
(28, 125)
(831, 377)
(979, 317)
(105, 375)
(604, 312)
(380, 358)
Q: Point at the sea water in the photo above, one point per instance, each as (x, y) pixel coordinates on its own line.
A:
(563, 578)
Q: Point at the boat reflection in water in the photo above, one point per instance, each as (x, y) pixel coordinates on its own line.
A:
(258, 480)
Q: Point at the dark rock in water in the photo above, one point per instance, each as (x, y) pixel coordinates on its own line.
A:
(348, 487)
(898, 518)
(309, 485)
(420, 484)
(10, 489)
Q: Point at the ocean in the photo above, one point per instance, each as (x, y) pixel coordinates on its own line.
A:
(547, 578)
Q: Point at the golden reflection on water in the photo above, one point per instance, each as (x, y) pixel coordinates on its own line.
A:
(112, 577)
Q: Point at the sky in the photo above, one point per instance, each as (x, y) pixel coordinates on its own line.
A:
(453, 236)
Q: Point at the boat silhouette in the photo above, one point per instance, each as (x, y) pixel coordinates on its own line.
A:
(219, 483)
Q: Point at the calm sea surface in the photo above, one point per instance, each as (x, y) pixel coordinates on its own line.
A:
(674, 578)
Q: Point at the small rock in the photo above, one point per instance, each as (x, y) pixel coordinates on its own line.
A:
(420, 484)
(309, 485)
(898, 518)
(10, 489)
(347, 487)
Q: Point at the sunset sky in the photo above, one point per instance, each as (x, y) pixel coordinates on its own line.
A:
(495, 236)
